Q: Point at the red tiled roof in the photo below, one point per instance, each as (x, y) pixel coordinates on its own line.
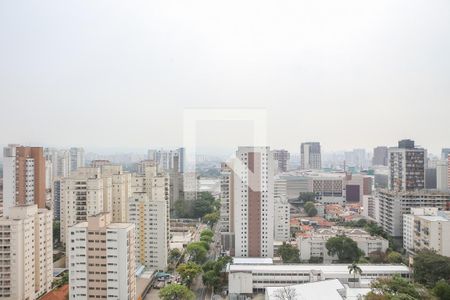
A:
(59, 294)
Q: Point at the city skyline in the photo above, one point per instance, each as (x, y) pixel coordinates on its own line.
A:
(100, 71)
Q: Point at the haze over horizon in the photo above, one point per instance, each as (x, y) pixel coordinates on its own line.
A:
(349, 74)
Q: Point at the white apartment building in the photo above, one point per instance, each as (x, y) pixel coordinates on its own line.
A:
(282, 218)
(314, 245)
(310, 156)
(392, 205)
(427, 228)
(81, 195)
(26, 252)
(371, 207)
(102, 259)
(442, 178)
(168, 159)
(76, 158)
(253, 202)
(120, 191)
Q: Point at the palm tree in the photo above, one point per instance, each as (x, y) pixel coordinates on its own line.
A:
(355, 269)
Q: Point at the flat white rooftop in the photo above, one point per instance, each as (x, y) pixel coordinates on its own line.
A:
(434, 218)
(251, 260)
(334, 268)
(321, 290)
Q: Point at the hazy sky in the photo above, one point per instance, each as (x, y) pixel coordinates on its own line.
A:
(349, 74)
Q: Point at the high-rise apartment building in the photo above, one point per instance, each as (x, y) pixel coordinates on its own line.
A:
(282, 218)
(150, 219)
(380, 156)
(226, 198)
(81, 195)
(311, 157)
(392, 205)
(120, 191)
(76, 158)
(23, 176)
(26, 264)
(406, 167)
(102, 259)
(281, 157)
(168, 159)
(149, 210)
(253, 202)
(442, 172)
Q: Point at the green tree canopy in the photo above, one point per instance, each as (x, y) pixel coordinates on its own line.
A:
(307, 197)
(189, 271)
(211, 218)
(344, 248)
(394, 257)
(289, 253)
(207, 232)
(397, 288)
(429, 267)
(176, 292)
(312, 212)
(211, 279)
(206, 239)
(174, 254)
(204, 204)
(198, 251)
(442, 290)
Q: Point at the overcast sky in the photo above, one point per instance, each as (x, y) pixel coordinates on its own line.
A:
(120, 74)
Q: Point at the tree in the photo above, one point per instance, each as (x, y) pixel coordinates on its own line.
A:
(285, 293)
(182, 209)
(355, 269)
(204, 204)
(174, 255)
(206, 239)
(394, 258)
(176, 292)
(308, 205)
(442, 290)
(197, 251)
(344, 248)
(211, 279)
(312, 212)
(288, 253)
(429, 267)
(207, 232)
(211, 218)
(212, 272)
(377, 257)
(56, 232)
(189, 271)
(397, 288)
(306, 197)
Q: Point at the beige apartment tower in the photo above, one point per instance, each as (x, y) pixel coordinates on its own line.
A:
(81, 195)
(102, 259)
(26, 264)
